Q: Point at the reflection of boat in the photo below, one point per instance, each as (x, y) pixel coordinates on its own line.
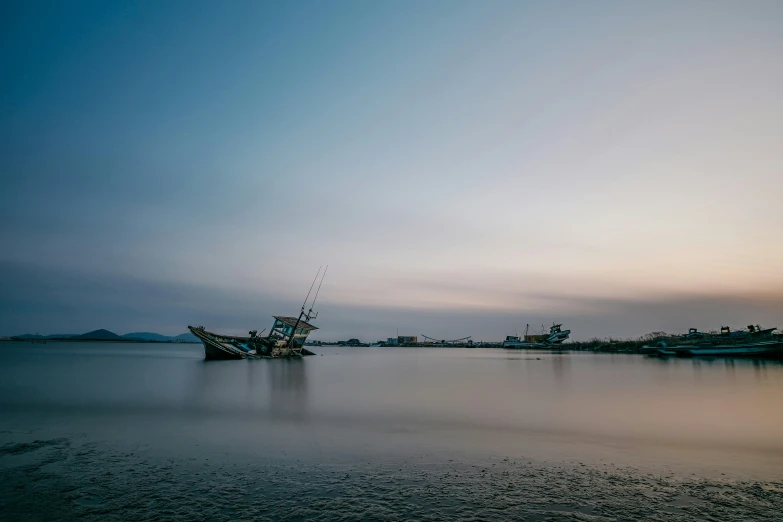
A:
(285, 340)
(555, 336)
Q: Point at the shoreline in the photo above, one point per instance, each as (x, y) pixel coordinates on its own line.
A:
(66, 339)
(617, 347)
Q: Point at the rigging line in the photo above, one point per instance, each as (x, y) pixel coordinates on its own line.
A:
(301, 313)
(319, 289)
(311, 287)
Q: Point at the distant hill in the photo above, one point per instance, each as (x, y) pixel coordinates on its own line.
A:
(146, 336)
(106, 335)
(37, 336)
(156, 337)
(98, 335)
(186, 337)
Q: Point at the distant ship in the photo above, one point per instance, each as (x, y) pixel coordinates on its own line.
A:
(555, 336)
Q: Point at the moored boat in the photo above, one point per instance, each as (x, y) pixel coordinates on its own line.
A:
(759, 349)
(755, 342)
(555, 336)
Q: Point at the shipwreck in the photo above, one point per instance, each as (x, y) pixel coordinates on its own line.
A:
(286, 339)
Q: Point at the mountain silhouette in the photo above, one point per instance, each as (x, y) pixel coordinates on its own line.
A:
(106, 335)
(102, 335)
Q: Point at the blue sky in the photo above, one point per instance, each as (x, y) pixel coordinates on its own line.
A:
(464, 167)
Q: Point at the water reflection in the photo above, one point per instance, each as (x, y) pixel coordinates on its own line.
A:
(276, 387)
(473, 399)
(734, 366)
(760, 369)
(731, 371)
(288, 394)
(206, 383)
(561, 366)
(696, 363)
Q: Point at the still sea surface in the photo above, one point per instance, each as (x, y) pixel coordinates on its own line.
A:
(102, 431)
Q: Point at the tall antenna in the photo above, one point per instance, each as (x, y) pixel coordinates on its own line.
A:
(310, 312)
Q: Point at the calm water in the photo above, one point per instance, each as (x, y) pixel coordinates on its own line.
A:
(125, 431)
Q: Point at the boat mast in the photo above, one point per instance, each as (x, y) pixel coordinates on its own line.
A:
(318, 291)
(302, 311)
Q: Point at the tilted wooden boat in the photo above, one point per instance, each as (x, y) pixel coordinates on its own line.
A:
(286, 339)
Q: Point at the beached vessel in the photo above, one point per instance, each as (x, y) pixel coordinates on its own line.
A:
(286, 339)
(772, 349)
(761, 348)
(555, 336)
(753, 342)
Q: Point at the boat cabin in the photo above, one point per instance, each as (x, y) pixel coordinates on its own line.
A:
(283, 330)
(556, 334)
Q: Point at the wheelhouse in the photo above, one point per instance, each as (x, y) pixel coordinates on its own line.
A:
(286, 328)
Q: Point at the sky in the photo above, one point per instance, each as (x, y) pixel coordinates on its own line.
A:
(464, 168)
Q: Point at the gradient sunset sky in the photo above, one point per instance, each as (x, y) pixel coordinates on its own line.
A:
(463, 167)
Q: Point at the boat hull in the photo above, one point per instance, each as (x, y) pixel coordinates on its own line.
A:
(523, 346)
(220, 347)
(772, 349)
(763, 349)
(213, 353)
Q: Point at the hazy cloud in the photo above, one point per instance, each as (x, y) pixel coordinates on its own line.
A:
(38, 299)
(464, 167)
